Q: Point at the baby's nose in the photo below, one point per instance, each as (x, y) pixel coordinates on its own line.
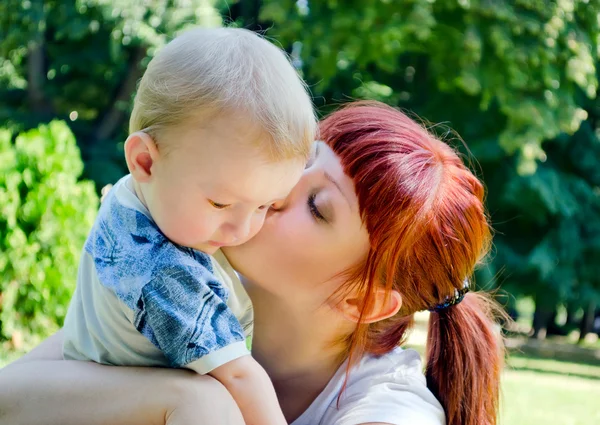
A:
(278, 205)
(240, 230)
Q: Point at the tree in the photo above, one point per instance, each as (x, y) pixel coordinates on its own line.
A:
(516, 78)
(80, 61)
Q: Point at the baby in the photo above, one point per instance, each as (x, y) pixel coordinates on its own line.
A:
(220, 131)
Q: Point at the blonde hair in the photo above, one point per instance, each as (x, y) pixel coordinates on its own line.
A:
(227, 69)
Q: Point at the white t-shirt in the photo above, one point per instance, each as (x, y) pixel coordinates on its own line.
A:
(389, 389)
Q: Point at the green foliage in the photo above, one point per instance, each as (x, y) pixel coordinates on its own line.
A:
(80, 61)
(45, 214)
(527, 56)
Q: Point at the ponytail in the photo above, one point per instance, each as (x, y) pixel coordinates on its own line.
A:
(465, 355)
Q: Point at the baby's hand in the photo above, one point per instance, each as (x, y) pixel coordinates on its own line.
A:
(104, 191)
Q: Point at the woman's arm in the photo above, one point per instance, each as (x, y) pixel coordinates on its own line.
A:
(40, 388)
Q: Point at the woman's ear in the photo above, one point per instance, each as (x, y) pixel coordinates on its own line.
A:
(385, 304)
(140, 153)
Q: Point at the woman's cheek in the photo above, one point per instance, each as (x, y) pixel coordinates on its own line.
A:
(298, 242)
(292, 227)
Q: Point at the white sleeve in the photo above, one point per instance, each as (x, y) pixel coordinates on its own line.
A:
(214, 359)
(394, 398)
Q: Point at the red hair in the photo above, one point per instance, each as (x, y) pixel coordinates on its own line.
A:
(424, 212)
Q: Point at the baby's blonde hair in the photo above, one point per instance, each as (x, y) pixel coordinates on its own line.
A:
(226, 69)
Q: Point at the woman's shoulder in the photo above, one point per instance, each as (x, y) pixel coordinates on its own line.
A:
(400, 362)
(389, 389)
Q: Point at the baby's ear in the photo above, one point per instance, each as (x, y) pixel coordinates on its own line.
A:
(140, 153)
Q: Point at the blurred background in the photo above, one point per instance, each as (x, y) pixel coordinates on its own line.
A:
(517, 80)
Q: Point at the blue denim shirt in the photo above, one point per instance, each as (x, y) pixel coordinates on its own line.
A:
(178, 303)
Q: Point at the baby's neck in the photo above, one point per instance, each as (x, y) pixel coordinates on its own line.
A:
(137, 189)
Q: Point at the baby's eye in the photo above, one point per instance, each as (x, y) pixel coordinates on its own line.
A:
(265, 207)
(217, 205)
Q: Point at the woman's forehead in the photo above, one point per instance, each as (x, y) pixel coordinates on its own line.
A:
(335, 174)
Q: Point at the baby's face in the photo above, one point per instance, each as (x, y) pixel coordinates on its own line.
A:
(212, 186)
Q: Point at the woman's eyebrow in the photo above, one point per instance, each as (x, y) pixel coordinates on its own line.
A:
(339, 187)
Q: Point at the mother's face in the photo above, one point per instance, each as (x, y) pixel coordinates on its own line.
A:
(316, 235)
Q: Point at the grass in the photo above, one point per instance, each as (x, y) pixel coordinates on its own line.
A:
(541, 398)
(541, 391)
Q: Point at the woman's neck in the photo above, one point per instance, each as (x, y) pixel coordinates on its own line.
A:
(295, 348)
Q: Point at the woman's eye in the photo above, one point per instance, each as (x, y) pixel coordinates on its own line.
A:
(217, 205)
(314, 210)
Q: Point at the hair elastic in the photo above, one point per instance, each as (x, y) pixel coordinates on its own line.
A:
(454, 299)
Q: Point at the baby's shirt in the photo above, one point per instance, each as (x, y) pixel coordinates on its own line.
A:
(143, 300)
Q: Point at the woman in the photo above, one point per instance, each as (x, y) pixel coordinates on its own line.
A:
(386, 221)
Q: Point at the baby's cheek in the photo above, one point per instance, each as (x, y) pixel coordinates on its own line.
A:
(195, 229)
(182, 227)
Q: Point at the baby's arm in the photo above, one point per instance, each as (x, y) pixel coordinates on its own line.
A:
(251, 388)
(183, 312)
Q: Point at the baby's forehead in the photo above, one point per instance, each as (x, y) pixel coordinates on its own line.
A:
(234, 132)
(249, 179)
